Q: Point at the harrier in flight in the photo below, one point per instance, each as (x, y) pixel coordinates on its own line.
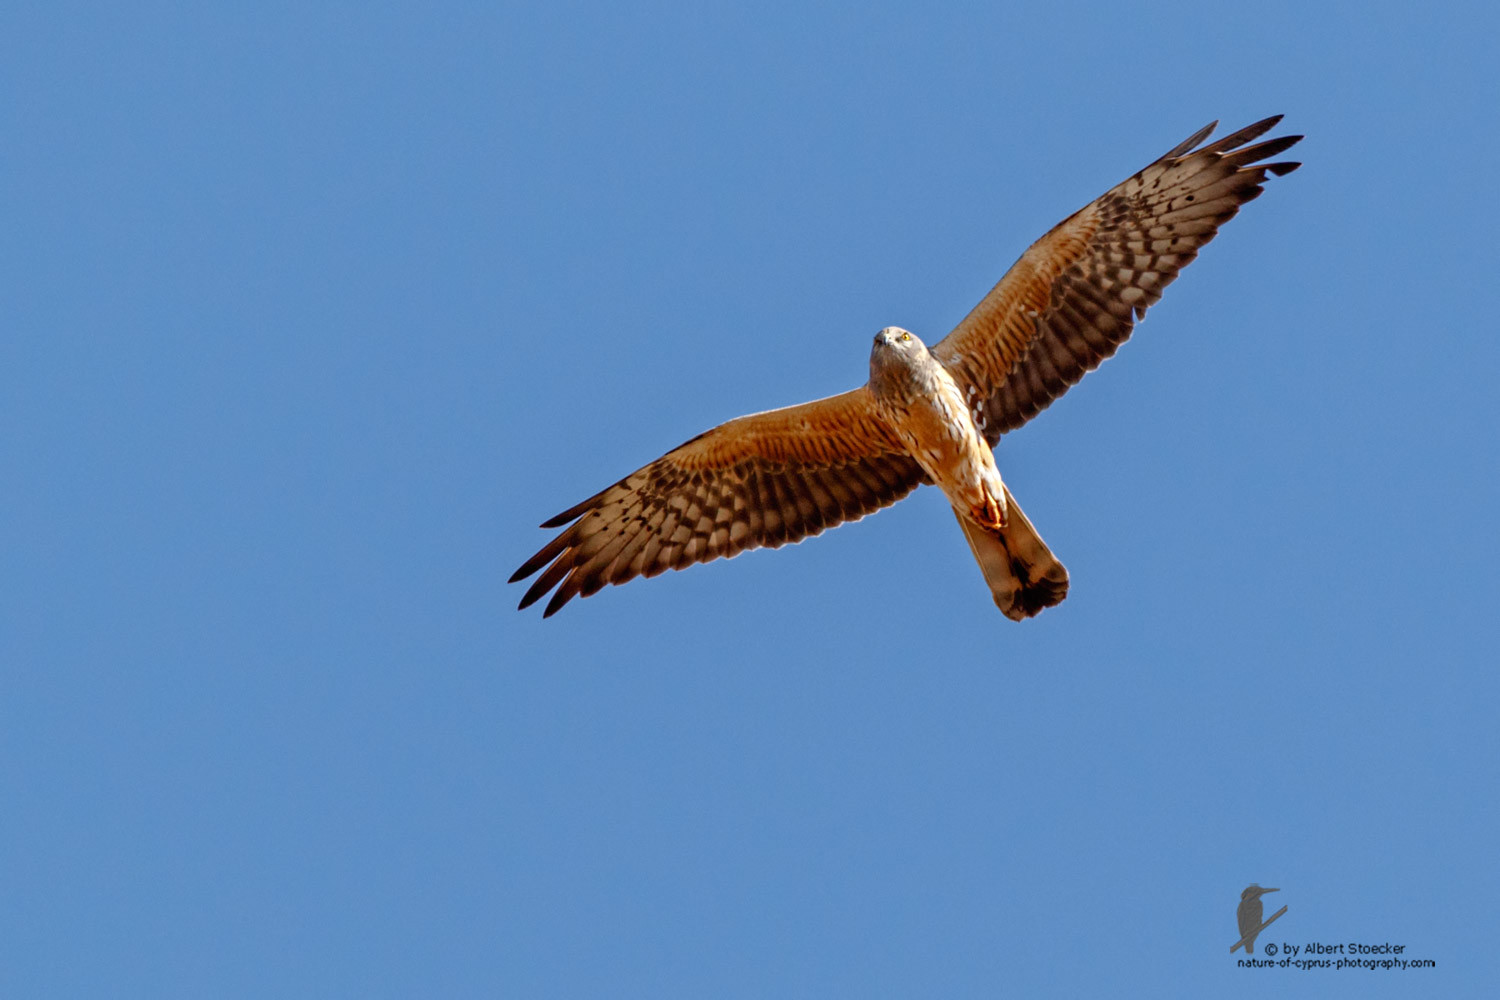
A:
(927, 415)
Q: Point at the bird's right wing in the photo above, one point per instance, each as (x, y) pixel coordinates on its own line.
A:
(761, 480)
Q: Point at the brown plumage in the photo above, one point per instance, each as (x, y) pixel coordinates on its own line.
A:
(780, 476)
(1074, 296)
(762, 480)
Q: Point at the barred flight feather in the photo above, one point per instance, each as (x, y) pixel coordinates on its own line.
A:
(1074, 297)
(757, 481)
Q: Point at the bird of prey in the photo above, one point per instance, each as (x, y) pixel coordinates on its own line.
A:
(1249, 914)
(927, 415)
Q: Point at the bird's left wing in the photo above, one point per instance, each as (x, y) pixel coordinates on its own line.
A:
(761, 480)
(1074, 296)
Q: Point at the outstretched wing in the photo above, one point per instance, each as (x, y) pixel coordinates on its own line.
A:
(1074, 296)
(762, 480)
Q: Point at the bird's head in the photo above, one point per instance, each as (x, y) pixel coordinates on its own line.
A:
(1255, 892)
(896, 356)
(893, 338)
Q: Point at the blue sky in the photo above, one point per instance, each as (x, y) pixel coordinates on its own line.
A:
(313, 312)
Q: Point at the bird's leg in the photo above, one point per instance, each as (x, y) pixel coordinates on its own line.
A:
(991, 513)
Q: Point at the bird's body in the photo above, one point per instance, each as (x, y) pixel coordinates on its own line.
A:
(935, 419)
(927, 416)
(1249, 915)
(923, 404)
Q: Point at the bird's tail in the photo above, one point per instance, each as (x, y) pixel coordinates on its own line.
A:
(1023, 574)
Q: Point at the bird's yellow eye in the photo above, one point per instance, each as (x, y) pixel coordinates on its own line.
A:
(906, 336)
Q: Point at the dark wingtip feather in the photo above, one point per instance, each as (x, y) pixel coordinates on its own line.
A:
(573, 513)
(1282, 169)
(1237, 139)
(1261, 150)
(1192, 140)
(563, 596)
(578, 510)
(544, 555)
(559, 572)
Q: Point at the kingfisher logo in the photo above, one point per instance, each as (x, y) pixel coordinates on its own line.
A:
(1249, 914)
(1284, 954)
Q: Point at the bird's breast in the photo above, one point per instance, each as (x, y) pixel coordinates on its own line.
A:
(940, 433)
